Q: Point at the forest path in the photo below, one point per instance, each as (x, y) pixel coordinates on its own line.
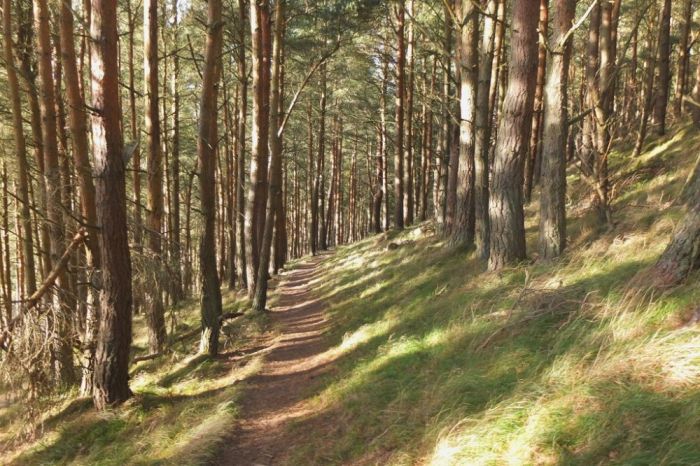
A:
(277, 395)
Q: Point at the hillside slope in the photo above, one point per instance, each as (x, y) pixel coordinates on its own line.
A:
(441, 363)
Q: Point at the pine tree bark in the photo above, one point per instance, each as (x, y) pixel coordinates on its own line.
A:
(275, 186)
(505, 204)
(28, 265)
(52, 182)
(683, 59)
(210, 309)
(462, 230)
(532, 162)
(408, 142)
(664, 67)
(552, 232)
(240, 150)
(111, 383)
(483, 134)
(400, 101)
(257, 192)
(155, 314)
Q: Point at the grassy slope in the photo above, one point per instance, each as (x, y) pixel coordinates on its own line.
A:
(440, 363)
(183, 405)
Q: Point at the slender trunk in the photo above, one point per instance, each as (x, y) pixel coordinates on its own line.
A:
(28, 266)
(400, 101)
(275, 194)
(155, 314)
(683, 59)
(664, 66)
(483, 135)
(206, 154)
(552, 233)
(532, 162)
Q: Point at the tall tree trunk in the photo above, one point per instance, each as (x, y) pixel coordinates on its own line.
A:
(114, 338)
(176, 248)
(552, 233)
(505, 204)
(408, 143)
(28, 266)
(274, 197)
(483, 134)
(462, 231)
(533, 160)
(52, 181)
(400, 101)
(81, 161)
(317, 189)
(206, 152)
(683, 59)
(257, 193)
(664, 64)
(155, 314)
(240, 150)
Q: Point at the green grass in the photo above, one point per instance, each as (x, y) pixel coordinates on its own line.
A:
(565, 363)
(183, 406)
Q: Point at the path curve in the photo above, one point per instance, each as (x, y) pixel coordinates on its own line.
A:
(275, 397)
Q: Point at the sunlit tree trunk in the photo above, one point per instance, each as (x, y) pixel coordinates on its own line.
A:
(664, 67)
(206, 153)
(400, 102)
(462, 229)
(552, 233)
(505, 204)
(28, 266)
(114, 337)
(52, 181)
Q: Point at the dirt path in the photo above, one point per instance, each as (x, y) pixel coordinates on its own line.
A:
(276, 395)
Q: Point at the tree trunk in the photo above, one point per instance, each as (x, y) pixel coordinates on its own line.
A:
(408, 142)
(52, 182)
(28, 266)
(274, 196)
(552, 233)
(257, 193)
(483, 135)
(683, 59)
(505, 204)
(240, 149)
(400, 99)
(206, 152)
(664, 65)
(114, 338)
(533, 160)
(682, 255)
(462, 230)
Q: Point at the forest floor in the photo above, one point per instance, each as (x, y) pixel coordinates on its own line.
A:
(400, 350)
(276, 395)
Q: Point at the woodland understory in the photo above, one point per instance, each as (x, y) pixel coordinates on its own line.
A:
(164, 163)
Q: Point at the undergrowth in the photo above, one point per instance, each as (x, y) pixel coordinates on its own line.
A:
(442, 363)
(184, 404)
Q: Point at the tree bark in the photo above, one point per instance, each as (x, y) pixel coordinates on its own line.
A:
(28, 266)
(206, 152)
(552, 232)
(664, 66)
(505, 204)
(114, 337)
(683, 59)
(462, 230)
(155, 314)
(400, 99)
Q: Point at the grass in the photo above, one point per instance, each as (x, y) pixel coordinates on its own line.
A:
(441, 363)
(183, 407)
(438, 362)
